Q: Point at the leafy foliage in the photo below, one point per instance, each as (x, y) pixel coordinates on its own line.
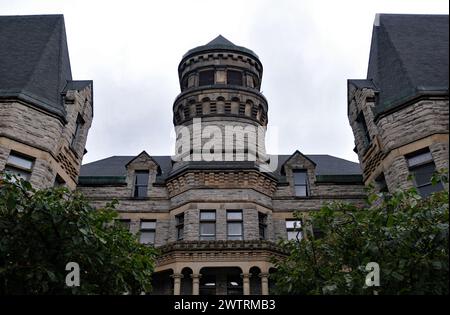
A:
(405, 234)
(42, 230)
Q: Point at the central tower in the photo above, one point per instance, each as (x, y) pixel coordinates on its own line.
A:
(220, 114)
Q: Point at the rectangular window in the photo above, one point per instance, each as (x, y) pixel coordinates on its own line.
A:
(19, 165)
(380, 182)
(148, 230)
(206, 77)
(140, 184)
(234, 225)
(78, 127)
(421, 167)
(125, 223)
(179, 221)
(363, 127)
(262, 220)
(207, 225)
(59, 182)
(234, 77)
(301, 183)
(294, 229)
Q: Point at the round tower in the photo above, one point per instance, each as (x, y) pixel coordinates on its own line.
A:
(220, 114)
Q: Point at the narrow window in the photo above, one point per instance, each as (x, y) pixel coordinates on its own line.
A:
(207, 225)
(294, 229)
(78, 126)
(179, 220)
(234, 77)
(363, 127)
(380, 182)
(234, 225)
(148, 229)
(206, 78)
(262, 220)
(421, 167)
(19, 165)
(59, 182)
(301, 183)
(140, 184)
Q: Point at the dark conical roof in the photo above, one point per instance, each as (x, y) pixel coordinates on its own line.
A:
(220, 43)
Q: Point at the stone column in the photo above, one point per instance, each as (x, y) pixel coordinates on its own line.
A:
(246, 283)
(195, 283)
(177, 283)
(264, 283)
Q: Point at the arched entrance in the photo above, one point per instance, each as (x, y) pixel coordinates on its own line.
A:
(221, 281)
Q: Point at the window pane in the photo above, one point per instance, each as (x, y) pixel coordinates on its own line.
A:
(423, 173)
(262, 218)
(147, 237)
(180, 233)
(420, 158)
(207, 215)
(179, 219)
(292, 235)
(234, 237)
(293, 224)
(299, 177)
(234, 215)
(234, 228)
(141, 177)
(234, 77)
(427, 190)
(207, 237)
(207, 228)
(19, 173)
(300, 191)
(148, 225)
(206, 77)
(20, 161)
(262, 232)
(140, 191)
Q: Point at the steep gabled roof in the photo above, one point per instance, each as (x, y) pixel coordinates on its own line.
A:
(408, 57)
(115, 166)
(34, 60)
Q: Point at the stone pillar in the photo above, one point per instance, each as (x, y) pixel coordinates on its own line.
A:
(177, 283)
(246, 283)
(195, 283)
(264, 283)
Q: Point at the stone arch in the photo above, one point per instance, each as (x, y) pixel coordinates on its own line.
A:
(235, 105)
(186, 281)
(255, 281)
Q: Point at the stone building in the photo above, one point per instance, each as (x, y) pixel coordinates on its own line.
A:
(45, 116)
(400, 113)
(216, 208)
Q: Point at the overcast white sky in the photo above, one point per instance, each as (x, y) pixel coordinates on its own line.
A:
(131, 49)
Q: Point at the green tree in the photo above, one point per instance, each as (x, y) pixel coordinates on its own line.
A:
(43, 230)
(405, 234)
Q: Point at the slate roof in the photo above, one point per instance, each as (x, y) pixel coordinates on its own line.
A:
(408, 57)
(219, 43)
(34, 61)
(115, 166)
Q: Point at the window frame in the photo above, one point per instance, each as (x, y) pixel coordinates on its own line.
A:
(235, 237)
(205, 81)
(299, 230)
(233, 71)
(20, 171)
(305, 184)
(136, 186)
(207, 237)
(179, 225)
(262, 225)
(414, 167)
(148, 230)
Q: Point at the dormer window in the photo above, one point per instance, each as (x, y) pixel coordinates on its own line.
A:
(301, 183)
(206, 78)
(141, 183)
